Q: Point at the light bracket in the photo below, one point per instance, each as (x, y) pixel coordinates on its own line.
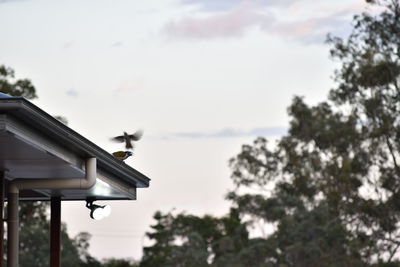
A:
(98, 212)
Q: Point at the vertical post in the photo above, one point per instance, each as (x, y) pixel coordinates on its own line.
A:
(12, 230)
(55, 232)
(2, 182)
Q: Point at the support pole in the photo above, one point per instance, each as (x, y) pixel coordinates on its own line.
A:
(55, 232)
(2, 182)
(12, 230)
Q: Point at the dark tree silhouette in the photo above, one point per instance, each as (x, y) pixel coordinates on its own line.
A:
(329, 190)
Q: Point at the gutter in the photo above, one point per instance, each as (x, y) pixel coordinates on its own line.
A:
(36, 118)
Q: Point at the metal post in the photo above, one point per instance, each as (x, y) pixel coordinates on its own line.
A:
(12, 230)
(55, 232)
(2, 182)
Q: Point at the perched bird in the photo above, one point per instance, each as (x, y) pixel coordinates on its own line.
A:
(122, 155)
(128, 138)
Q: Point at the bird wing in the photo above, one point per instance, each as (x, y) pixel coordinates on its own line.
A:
(136, 136)
(119, 139)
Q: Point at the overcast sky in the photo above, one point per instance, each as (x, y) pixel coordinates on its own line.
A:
(201, 77)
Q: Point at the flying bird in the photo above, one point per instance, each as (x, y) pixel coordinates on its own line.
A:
(128, 138)
(122, 155)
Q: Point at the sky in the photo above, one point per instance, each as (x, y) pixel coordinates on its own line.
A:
(200, 77)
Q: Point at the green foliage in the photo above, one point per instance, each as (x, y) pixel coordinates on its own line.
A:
(35, 236)
(119, 263)
(158, 254)
(188, 240)
(334, 177)
(62, 119)
(328, 191)
(21, 87)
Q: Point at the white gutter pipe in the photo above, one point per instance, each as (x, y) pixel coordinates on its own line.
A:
(20, 184)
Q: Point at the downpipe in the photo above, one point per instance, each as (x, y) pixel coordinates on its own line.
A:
(20, 184)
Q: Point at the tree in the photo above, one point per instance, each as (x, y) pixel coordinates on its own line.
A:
(335, 176)
(188, 240)
(329, 190)
(118, 263)
(35, 235)
(21, 87)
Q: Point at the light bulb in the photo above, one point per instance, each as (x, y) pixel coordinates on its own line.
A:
(100, 212)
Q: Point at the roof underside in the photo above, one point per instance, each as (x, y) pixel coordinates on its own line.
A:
(35, 145)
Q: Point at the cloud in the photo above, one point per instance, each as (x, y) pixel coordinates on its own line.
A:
(9, 1)
(116, 44)
(313, 30)
(212, 5)
(220, 25)
(334, 19)
(298, 20)
(68, 45)
(131, 85)
(72, 93)
(229, 132)
(224, 5)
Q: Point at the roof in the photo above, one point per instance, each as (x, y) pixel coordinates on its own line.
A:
(33, 144)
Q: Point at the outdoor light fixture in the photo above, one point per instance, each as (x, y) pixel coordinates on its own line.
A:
(98, 212)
